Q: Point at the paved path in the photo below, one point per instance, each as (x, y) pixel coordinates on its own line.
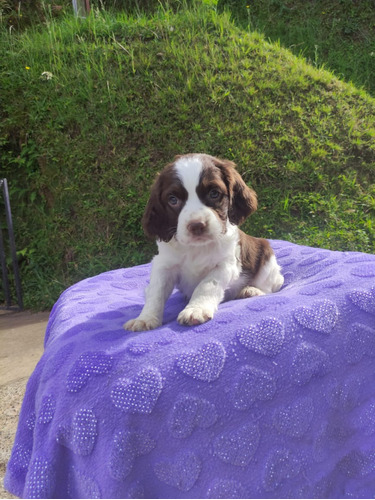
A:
(21, 345)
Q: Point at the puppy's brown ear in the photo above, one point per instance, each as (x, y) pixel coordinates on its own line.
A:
(156, 222)
(242, 199)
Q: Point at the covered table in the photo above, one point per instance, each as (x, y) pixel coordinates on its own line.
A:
(273, 398)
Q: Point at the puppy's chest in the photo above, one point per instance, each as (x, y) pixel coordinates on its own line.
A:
(195, 267)
(191, 274)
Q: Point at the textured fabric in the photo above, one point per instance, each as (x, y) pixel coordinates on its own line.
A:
(275, 397)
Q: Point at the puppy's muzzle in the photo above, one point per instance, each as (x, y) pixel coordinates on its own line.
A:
(197, 228)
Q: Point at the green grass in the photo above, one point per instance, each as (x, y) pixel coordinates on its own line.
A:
(336, 34)
(80, 150)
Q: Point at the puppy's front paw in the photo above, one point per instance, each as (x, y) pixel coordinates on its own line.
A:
(194, 315)
(142, 324)
(249, 291)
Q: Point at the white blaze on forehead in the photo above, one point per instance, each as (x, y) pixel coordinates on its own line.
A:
(189, 171)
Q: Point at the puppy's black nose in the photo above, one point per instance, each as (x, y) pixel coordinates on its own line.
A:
(197, 228)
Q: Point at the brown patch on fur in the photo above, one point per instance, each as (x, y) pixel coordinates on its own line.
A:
(242, 199)
(255, 252)
(160, 219)
(211, 179)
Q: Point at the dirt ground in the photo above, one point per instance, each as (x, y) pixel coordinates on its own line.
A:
(21, 341)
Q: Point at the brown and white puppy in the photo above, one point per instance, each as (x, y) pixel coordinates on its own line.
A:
(195, 206)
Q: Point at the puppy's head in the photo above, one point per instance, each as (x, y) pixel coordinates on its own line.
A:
(195, 198)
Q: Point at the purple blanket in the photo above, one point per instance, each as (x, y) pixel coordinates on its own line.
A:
(275, 397)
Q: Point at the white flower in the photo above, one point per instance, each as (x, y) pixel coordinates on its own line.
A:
(46, 75)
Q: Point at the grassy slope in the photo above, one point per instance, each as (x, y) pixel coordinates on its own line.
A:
(80, 150)
(339, 34)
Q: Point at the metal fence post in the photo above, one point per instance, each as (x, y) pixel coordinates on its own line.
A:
(81, 7)
(12, 246)
(4, 271)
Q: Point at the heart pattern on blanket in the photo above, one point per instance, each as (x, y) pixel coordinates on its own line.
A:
(281, 465)
(356, 258)
(357, 464)
(137, 349)
(226, 488)
(57, 361)
(273, 302)
(140, 394)
(363, 299)
(309, 361)
(315, 289)
(182, 472)
(284, 252)
(204, 364)
(135, 490)
(365, 270)
(294, 420)
(325, 442)
(313, 259)
(79, 437)
(239, 446)
(360, 341)
(189, 412)
(321, 317)
(127, 446)
(366, 420)
(41, 479)
(20, 459)
(204, 327)
(127, 285)
(88, 365)
(266, 337)
(30, 421)
(321, 268)
(47, 409)
(252, 384)
(343, 394)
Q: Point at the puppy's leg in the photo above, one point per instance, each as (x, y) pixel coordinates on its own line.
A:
(206, 298)
(162, 281)
(268, 280)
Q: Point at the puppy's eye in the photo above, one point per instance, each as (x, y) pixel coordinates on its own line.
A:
(214, 194)
(173, 200)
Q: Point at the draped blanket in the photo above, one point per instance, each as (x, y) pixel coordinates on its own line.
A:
(273, 398)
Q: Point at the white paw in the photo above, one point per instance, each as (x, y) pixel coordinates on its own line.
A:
(142, 324)
(249, 291)
(194, 315)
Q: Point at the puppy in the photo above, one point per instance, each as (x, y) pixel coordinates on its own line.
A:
(195, 207)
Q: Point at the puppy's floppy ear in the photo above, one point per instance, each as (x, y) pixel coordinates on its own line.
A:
(242, 199)
(156, 222)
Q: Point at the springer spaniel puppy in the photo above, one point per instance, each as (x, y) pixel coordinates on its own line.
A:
(195, 206)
